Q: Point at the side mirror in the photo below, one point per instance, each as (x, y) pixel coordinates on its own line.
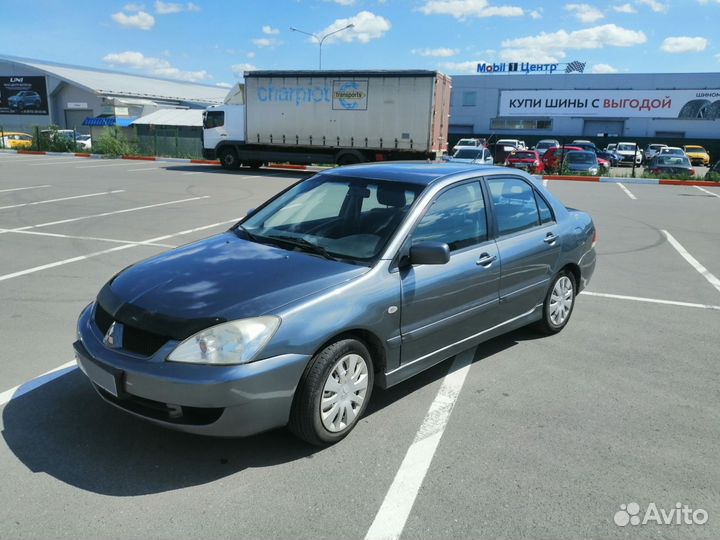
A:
(250, 212)
(430, 253)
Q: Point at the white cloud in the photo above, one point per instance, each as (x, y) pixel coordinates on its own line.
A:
(551, 47)
(269, 30)
(266, 42)
(462, 9)
(443, 52)
(141, 20)
(655, 5)
(152, 66)
(224, 85)
(624, 8)
(683, 44)
(239, 69)
(342, 2)
(585, 13)
(134, 7)
(166, 8)
(368, 26)
(251, 54)
(453, 68)
(536, 14)
(603, 68)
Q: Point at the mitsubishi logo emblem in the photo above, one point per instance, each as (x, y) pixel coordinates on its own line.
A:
(113, 337)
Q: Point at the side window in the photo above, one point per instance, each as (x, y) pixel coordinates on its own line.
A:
(457, 217)
(469, 99)
(514, 205)
(214, 119)
(546, 215)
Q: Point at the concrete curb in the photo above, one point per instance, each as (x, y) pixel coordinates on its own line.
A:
(612, 180)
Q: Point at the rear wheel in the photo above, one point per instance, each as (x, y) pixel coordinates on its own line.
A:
(333, 394)
(229, 159)
(349, 159)
(559, 303)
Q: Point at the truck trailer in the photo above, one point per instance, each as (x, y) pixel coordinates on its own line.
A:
(330, 117)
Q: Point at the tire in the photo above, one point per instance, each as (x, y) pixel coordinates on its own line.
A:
(229, 159)
(712, 112)
(694, 108)
(549, 324)
(348, 159)
(322, 376)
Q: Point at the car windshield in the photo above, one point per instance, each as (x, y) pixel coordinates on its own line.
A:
(349, 219)
(673, 151)
(468, 153)
(544, 144)
(466, 142)
(580, 157)
(524, 155)
(696, 149)
(626, 147)
(674, 161)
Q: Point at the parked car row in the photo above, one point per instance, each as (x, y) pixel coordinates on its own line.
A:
(16, 140)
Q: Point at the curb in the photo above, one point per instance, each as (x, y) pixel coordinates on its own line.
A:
(648, 181)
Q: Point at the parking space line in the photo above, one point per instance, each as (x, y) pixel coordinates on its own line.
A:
(38, 381)
(147, 242)
(704, 272)
(707, 191)
(60, 162)
(23, 188)
(545, 182)
(390, 520)
(651, 300)
(627, 191)
(63, 199)
(103, 214)
(95, 238)
(102, 165)
(146, 169)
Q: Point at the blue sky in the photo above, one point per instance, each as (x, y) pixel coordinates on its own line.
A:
(213, 41)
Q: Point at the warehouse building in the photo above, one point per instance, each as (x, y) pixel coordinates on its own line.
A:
(38, 93)
(671, 107)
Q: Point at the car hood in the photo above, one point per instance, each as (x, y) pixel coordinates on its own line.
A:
(221, 278)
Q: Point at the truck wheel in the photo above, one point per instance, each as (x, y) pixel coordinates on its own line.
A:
(333, 394)
(254, 164)
(229, 159)
(349, 159)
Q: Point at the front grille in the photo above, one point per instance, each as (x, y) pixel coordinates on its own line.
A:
(135, 340)
(174, 414)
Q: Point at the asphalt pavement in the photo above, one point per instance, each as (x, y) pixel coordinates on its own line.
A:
(543, 437)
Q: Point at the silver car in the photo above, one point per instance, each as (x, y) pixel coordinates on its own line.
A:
(358, 277)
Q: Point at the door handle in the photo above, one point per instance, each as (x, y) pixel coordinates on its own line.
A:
(550, 238)
(486, 260)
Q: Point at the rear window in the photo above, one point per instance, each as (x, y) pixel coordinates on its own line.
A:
(213, 119)
(524, 155)
(468, 153)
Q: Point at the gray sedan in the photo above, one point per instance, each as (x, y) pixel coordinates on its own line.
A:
(358, 277)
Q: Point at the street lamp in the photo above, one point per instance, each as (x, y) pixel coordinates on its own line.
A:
(320, 39)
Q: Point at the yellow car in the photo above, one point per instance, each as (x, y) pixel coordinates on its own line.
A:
(697, 155)
(16, 141)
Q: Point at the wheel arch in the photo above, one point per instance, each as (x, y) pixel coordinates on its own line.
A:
(373, 343)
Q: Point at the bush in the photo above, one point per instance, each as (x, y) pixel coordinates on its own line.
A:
(53, 141)
(712, 177)
(113, 143)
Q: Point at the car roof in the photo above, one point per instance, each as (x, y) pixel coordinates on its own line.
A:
(409, 172)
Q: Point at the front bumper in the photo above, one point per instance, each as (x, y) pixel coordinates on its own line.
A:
(228, 401)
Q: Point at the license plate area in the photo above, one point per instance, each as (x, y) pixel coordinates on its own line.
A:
(108, 379)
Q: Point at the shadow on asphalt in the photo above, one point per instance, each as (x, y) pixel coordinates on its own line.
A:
(214, 169)
(65, 430)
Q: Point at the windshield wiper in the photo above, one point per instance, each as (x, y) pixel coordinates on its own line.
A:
(251, 236)
(305, 245)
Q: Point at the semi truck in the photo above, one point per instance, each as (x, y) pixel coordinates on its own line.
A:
(330, 117)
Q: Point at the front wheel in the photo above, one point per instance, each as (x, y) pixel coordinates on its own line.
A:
(559, 304)
(229, 159)
(333, 394)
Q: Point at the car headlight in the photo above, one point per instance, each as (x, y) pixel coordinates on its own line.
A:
(235, 342)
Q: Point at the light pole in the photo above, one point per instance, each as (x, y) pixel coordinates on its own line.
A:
(320, 39)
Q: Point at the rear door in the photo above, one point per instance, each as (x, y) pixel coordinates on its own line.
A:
(445, 304)
(528, 241)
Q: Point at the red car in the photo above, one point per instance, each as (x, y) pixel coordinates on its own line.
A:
(528, 160)
(553, 156)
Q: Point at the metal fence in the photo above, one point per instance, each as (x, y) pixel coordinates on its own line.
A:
(169, 142)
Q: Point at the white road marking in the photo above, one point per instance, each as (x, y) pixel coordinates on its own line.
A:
(186, 173)
(22, 188)
(704, 272)
(47, 201)
(707, 191)
(61, 162)
(627, 191)
(31, 385)
(102, 165)
(651, 300)
(73, 237)
(545, 182)
(147, 242)
(147, 169)
(390, 520)
(103, 214)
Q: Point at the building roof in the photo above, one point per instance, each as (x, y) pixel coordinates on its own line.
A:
(173, 117)
(114, 83)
